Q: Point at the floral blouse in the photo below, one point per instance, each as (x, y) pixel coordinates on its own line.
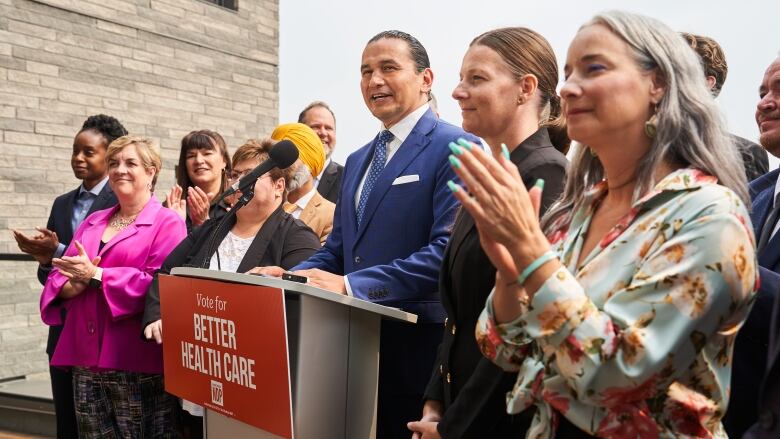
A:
(636, 342)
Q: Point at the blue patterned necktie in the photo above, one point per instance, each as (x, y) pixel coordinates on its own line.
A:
(377, 164)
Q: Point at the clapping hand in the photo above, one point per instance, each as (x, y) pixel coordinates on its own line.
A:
(174, 201)
(79, 268)
(198, 204)
(506, 214)
(41, 246)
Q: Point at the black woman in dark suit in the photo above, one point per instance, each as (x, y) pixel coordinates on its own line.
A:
(507, 96)
(67, 212)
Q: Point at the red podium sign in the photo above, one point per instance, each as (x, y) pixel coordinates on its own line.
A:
(225, 348)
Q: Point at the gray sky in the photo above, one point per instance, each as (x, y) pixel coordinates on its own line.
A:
(321, 43)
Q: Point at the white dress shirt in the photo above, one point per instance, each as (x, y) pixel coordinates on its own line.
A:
(777, 191)
(400, 132)
(302, 203)
(319, 176)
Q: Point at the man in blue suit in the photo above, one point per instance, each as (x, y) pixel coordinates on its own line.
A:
(393, 221)
(766, 211)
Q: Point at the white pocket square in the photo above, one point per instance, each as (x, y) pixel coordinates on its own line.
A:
(406, 179)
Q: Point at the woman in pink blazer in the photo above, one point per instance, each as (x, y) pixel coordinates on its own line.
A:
(101, 281)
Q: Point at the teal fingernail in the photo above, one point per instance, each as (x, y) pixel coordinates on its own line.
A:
(457, 150)
(455, 162)
(505, 151)
(465, 143)
(453, 187)
(539, 183)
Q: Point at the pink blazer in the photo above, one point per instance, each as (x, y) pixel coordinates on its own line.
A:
(102, 328)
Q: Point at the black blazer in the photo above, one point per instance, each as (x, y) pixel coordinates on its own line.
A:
(59, 222)
(330, 183)
(282, 240)
(754, 157)
(759, 337)
(471, 388)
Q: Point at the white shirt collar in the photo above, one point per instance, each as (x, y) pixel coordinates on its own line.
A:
(324, 167)
(777, 190)
(402, 129)
(304, 200)
(95, 189)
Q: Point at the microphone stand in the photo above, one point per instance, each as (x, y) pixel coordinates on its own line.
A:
(246, 196)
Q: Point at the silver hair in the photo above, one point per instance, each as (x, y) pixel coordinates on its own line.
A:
(299, 178)
(690, 129)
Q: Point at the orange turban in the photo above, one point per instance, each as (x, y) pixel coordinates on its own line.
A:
(312, 153)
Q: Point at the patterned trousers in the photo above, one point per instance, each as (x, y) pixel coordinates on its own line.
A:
(117, 404)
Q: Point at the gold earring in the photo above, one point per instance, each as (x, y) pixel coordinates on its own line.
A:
(651, 126)
(520, 100)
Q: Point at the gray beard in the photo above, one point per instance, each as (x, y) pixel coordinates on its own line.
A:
(301, 176)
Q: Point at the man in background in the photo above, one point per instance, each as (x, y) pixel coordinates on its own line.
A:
(763, 324)
(319, 117)
(303, 201)
(715, 70)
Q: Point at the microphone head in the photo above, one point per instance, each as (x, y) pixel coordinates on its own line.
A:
(284, 154)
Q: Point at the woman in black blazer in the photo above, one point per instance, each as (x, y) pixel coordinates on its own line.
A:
(507, 96)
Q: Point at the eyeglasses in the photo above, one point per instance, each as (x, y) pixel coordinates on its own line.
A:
(233, 175)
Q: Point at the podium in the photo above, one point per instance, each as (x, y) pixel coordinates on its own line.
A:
(271, 358)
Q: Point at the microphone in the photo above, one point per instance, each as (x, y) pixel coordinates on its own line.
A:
(281, 156)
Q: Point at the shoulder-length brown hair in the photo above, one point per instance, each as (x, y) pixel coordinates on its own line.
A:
(201, 139)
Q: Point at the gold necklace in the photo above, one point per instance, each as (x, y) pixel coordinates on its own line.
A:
(120, 223)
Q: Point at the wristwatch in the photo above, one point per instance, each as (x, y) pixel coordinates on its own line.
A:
(96, 281)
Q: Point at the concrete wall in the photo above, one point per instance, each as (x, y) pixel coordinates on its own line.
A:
(162, 67)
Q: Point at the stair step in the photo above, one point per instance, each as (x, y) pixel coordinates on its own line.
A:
(26, 408)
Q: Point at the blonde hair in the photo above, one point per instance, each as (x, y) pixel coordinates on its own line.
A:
(147, 150)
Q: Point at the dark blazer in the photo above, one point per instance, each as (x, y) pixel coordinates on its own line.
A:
(763, 329)
(59, 222)
(282, 241)
(754, 157)
(330, 183)
(471, 388)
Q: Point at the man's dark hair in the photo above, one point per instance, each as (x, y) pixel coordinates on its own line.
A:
(315, 104)
(416, 50)
(106, 126)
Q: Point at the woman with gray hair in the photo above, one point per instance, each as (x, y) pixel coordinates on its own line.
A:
(619, 311)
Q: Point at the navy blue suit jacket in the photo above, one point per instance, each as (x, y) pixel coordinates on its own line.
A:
(767, 313)
(59, 222)
(394, 257)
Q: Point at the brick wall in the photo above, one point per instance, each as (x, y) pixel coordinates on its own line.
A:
(162, 67)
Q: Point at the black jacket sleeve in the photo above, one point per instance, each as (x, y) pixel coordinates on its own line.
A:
(44, 270)
(299, 244)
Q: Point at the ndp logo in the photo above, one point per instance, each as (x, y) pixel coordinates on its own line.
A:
(216, 392)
